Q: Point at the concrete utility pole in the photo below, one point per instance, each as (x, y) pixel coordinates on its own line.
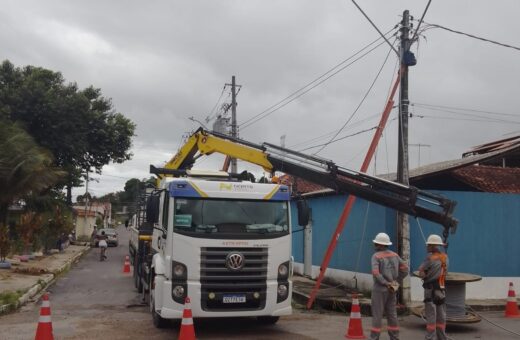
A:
(233, 120)
(403, 226)
(85, 224)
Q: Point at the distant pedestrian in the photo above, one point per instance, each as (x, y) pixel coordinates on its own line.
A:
(433, 271)
(103, 245)
(387, 270)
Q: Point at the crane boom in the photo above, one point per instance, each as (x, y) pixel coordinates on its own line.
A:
(271, 158)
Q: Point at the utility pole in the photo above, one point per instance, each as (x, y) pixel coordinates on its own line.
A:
(85, 224)
(233, 120)
(403, 226)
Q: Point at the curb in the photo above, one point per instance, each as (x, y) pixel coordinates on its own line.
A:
(42, 284)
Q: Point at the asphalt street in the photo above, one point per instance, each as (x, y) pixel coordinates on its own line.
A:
(96, 300)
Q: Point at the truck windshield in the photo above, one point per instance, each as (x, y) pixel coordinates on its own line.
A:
(224, 218)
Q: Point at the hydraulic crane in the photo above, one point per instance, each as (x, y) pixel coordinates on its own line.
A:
(271, 158)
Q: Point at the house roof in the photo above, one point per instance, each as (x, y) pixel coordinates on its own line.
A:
(447, 166)
(300, 185)
(490, 178)
(484, 178)
(82, 213)
(493, 146)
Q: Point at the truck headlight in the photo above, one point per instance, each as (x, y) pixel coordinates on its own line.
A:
(178, 292)
(282, 291)
(283, 271)
(179, 271)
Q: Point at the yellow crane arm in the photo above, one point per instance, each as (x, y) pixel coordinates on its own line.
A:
(206, 144)
(324, 172)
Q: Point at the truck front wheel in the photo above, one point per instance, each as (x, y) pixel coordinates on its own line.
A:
(158, 321)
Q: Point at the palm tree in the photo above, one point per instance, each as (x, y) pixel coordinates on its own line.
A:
(25, 167)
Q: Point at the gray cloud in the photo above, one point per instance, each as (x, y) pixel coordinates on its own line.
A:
(162, 62)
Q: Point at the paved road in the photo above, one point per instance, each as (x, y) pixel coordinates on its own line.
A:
(95, 300)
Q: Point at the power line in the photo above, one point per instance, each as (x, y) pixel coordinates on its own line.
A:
(466, 119)
(377, 29)
(333, 132)
(212, 113)
(360, 103)
(484, 118)
(338, 139)
(311, 84)
(464, 109)
(421, 20)
(472, 36)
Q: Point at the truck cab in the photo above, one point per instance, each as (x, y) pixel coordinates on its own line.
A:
(225, 244)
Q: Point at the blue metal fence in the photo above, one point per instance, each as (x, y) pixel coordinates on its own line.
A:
(486, 242)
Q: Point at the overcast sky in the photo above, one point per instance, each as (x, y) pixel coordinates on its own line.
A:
(162, 62)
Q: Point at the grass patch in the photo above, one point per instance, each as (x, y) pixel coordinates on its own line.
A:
(9, 298)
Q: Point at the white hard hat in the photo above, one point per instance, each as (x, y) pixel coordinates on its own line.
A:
(383, 239)
(434, 240)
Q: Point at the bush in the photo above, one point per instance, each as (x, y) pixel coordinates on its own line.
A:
(9, 298)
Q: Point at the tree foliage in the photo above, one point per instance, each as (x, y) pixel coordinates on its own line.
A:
(25, 167)
(79, 127)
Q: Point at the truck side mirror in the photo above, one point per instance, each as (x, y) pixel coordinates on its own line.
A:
(304, 212)
(152, 209)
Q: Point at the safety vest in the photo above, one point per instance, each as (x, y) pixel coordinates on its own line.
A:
(443, 259)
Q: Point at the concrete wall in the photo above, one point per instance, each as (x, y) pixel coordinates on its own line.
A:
(486, 242)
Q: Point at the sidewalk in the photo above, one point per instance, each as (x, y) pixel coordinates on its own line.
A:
(26, 279)
(340, 298)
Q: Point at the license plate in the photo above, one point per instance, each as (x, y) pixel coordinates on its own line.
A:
(234, 299)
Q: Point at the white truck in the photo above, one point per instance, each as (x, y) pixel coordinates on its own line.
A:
(226, 242)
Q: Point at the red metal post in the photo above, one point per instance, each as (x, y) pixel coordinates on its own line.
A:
(351, 199)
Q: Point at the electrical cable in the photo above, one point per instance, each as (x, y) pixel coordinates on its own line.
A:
(212, 113)
(338, 139)
(274, 107)
(498, 121)
(464, 109)
(332, 132)
(361, 243)
(421, 20)
(467, 114)
(377, 29)
(311, 88)
(420, 228)
(359, 105)
(493, 323)
(472, 36)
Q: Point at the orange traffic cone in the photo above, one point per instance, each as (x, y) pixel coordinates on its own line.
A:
(511, 305)
(187, 330)
(126, 267)
(44, 330)
(355, 328)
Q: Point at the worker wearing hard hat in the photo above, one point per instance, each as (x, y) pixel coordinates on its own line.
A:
(387, 269)
(433, 272)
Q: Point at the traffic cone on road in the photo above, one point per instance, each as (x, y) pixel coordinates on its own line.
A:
(44, 330)
(126, 267)
(511, 305)
(187, 330)
(355, 328)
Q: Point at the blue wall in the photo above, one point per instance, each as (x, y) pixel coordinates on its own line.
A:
(325, 213)
(486, 243)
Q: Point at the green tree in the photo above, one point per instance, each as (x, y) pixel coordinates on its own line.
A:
(80, 127)
(25, 167)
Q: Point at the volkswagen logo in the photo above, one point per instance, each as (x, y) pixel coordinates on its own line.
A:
(235, 261)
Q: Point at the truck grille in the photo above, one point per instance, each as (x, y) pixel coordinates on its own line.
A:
(217, 278)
